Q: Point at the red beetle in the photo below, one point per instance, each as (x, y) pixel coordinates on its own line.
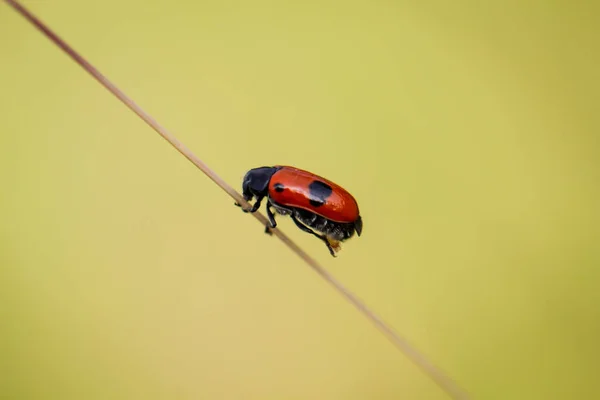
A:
(310, 200)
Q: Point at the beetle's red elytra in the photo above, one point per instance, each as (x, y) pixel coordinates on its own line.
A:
(313, 202)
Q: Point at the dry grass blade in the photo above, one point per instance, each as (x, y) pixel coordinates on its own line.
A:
(413, 354)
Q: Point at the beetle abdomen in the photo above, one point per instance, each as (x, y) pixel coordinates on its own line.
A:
(335, 230)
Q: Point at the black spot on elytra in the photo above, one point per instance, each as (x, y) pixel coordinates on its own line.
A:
(319, 192)
(279, 187)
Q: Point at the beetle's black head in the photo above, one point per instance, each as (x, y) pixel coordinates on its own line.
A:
(256, 182)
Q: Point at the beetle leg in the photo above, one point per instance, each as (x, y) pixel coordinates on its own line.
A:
(271, 224)
(308, 230)
(256, 205)
(271, 215)
(240, 206)
(253, 209)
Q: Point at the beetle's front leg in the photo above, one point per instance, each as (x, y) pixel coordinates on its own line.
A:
(253, 209)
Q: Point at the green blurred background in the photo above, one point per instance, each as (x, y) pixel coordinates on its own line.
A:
(466, 130)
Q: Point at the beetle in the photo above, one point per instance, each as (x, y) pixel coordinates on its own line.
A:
(313, 202)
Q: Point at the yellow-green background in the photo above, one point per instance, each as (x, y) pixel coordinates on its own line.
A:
(467, 131)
